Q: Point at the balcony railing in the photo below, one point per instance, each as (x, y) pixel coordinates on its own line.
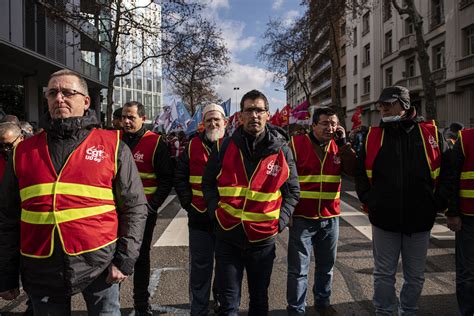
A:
(365, 63)
(407, 43)
(320, 53)
(321, 69)
(412, 83)
(325, 102)
(466, 62)
(465, 3)
(322, 86)
(439, 74)
(90, 70)
(387, 53)
(365, 97)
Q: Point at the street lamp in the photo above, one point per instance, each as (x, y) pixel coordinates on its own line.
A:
(236, 100)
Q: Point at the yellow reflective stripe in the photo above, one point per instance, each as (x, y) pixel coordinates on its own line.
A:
(319, 178)
(195, 179)
(147, 175)
(369, 173)
(466, 193)
(66, 188)
(259, 217)
(435, 173)
(319, 195)
(149, 190)
(42, 218)
(466, 175)
(197, 192)
(262, 197)
(232, 191)
(250, 216)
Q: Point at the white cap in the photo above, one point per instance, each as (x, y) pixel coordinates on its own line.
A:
(212, 107)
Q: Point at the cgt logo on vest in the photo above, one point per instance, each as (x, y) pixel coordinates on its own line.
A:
(432, 142)
(96, 154)
(273, 169)
(138, 156)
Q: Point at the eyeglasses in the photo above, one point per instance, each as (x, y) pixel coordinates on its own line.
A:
(65, 93)
(9, 146)
(258, 111)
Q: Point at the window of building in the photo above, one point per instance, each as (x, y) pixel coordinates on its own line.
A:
(139, 97)
(343, 50)
(149, 86)
(128, 96)
(366, 56)
(139, 84)
(343, 71)
(367, 85)
(469, 40)
(343, 92)
(387, 10)
(355, 65)
(409, 27)
(437, 12)
(388, 43)
(438, 57)
(117, 82)
(355, 93)
(410, 70)
(128, 82)
(389, 76)
(365, 24)
(354, 37)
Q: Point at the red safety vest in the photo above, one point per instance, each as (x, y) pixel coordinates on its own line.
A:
(198, 156)
(3, 166)
(78, 202)
(320, 181)
(429, 135)
(466, 184)
(143, 154)
(255, 203)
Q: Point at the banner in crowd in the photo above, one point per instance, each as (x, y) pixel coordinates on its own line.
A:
(226, 106)
(285, 115)
(275, 120)
(194, 123)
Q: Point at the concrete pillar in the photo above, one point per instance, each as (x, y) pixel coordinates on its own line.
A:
(32, 99)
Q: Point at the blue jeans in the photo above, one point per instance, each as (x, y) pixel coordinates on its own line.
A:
(465, 266)
(201, 265)
(101, 299)
(387, 247)
(230, 264)
(306, 235)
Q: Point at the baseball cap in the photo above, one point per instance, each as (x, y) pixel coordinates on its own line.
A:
(212, 107)
(394, 93)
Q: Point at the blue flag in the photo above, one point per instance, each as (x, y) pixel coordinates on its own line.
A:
(179, 113)
(226, 106)
(194, 123)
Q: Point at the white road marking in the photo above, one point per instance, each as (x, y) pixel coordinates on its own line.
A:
(357, 219)
(166, 202)
(439, 232)
(177, 233)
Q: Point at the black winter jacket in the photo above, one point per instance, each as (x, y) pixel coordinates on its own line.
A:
(253, 150)
(402, 196)
(196, 219)
(60, 274)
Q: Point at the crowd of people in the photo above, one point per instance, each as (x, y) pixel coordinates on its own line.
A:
(78, 204)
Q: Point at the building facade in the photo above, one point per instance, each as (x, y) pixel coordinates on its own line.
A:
(34, 43)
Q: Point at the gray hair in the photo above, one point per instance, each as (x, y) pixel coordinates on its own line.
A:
(9, 126)
(67, 72)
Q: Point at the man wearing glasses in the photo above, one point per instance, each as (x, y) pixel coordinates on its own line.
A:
(251, 188)
(403, 180)
(320, 157)
(154, 165)
(10, 137)
(72, 205)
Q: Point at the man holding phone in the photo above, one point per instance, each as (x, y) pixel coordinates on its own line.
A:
(321, 157)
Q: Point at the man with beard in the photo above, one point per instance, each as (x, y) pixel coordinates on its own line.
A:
(403, 179)
(154, 165)
(187, 182)
(251, 188)
(72, 207)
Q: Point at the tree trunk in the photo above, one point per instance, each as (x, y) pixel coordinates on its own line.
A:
(335, 70)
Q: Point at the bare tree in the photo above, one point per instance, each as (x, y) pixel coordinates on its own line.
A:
(429, 87)
(202, 57)
(285, 50)
(143, 29)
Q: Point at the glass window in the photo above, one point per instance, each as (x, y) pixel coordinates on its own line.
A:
(437, 12)
(387, 9)
(388, 77)
(366, 55)
(365, 24)
(388, 42)
(354, 36)
(438, 56)
(367, 85)
(355, 65)
(355, 93)
(469, 40)
(410, 67)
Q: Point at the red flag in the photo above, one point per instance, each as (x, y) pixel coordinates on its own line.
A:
(356, 118)
(276, 119)
(285, 115)
(300, 112)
